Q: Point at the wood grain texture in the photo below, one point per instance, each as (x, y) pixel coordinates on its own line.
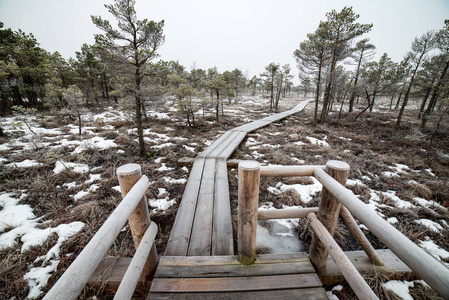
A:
(425, 265)
(178, 242)
(304, 294)
(139, 220)
(288, 171)
(363, 264)
(109, 274)
(222, 239)
(328, 212)
(286, 213)
(72, 282)
(234, 270)
(359, 236)
(231, 259)
(352, 276)
(248, 200)
(233, 284)
(137, 264)
(201, 236)
(230, 148)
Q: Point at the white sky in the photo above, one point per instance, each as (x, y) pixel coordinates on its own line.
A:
(228, 34)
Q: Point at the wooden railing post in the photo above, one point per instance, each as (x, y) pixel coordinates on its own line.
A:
(139, 220)
(328, 212)
(248, 199)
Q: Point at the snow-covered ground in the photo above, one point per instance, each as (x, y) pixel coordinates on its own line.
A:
(21, 228)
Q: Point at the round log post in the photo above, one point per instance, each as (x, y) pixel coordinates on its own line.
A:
(139, 220)
(328, 212)
(248, 199)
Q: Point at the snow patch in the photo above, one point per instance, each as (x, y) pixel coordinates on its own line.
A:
(75, 167)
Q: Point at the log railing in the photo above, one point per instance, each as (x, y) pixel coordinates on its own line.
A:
(132, 208)
(336, 201)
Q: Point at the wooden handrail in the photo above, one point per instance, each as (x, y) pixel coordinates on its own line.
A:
(425, 265)
(132, 275)
(72, 282)
(352, 276)
(288, 171)
(286, 213)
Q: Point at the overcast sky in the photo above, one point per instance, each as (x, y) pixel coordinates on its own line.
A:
(228, 34)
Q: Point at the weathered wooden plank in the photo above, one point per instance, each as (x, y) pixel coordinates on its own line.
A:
(214, 145)
(216, 152)
(232, 270)
(304, 294)
(226, 153)
(201, 236)
(222, 241)
(234, 284)
(110, 272)
(363, 264)
(230, 259)
(180, 234)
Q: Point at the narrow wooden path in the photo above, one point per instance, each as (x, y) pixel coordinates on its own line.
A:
(203, 225)
(199, 261)
(281, 276)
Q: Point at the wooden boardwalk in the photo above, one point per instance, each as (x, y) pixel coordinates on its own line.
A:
(281, 276)
(203, 225)
(199, 261)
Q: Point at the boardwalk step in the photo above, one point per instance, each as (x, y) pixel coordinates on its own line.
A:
(280, 276)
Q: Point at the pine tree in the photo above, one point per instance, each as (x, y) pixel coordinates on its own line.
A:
(134, 44)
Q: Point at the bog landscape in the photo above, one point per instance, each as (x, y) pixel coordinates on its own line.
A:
(67, 125)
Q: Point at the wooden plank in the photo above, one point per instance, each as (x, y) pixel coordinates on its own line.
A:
(180, 234)
(230, 259)
(214, 145)
(226, 153)
(201, 234)
(304, 294)
(234, 284)
(363, 264)
(223, 144)
(110, 272)
(222, 240)
(232, 270)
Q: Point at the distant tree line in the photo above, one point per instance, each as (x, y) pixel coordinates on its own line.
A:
(422, 74)
(121, 66)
